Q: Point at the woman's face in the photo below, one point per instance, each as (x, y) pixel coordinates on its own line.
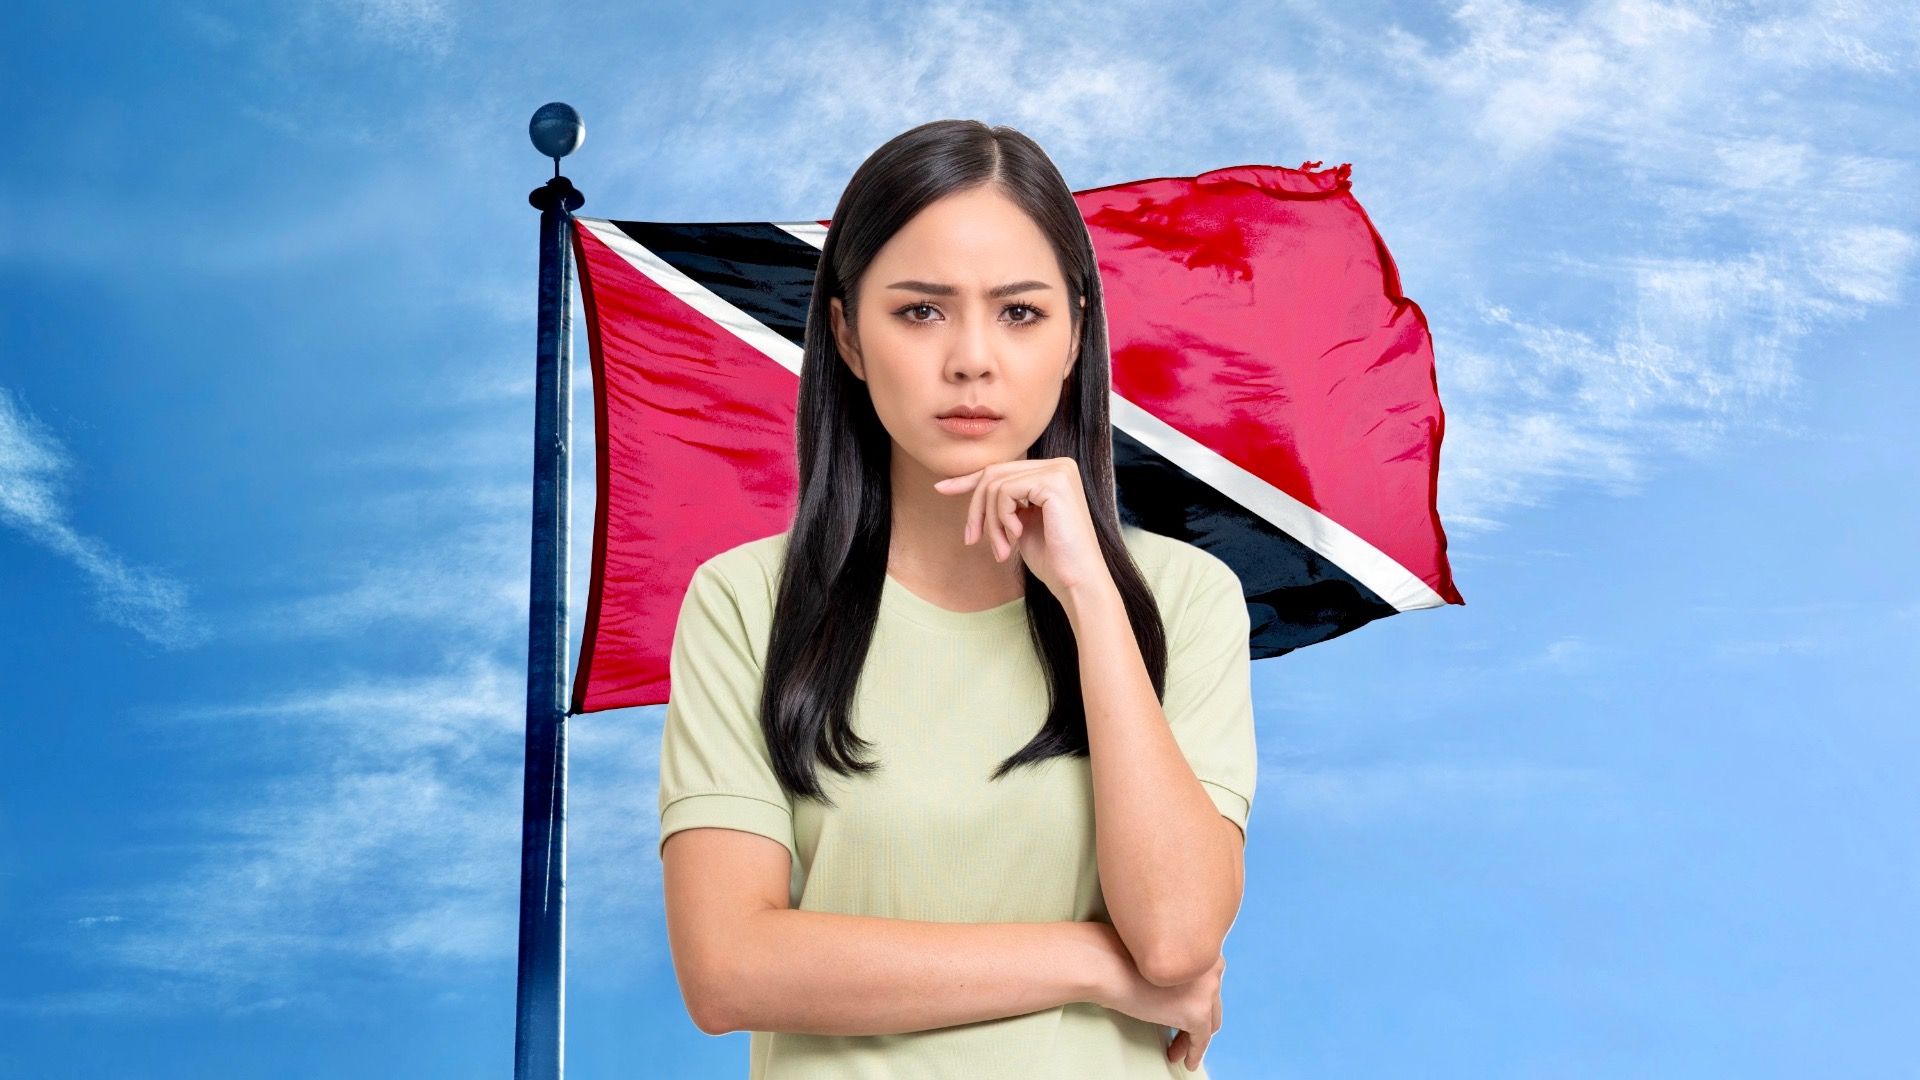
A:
(930, 337)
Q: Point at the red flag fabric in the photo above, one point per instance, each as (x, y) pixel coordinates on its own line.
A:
(1274, 402)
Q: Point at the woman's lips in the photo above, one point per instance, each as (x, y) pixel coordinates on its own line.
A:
(969, 425)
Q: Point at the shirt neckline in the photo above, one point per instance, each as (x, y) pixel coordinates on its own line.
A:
(909, 605)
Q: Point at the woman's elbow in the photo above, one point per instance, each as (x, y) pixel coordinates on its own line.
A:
(708, 1010)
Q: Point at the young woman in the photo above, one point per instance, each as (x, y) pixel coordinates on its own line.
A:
(956, 771)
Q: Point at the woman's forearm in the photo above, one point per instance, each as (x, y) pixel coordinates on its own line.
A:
(820, 973)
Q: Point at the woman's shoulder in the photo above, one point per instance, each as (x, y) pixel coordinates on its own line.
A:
(748, 572)
(742, 563)
(1170, 562)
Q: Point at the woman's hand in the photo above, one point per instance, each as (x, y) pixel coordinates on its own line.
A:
(1038, 511)
(1192, 1007)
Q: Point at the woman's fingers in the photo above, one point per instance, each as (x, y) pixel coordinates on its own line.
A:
(1185, 1045)
(1003, 501)
(974, 502)
(1010, 520)
(1197, 1048)
(983, 521)
(990, 515)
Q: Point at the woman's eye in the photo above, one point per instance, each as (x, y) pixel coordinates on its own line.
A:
(1033, 315)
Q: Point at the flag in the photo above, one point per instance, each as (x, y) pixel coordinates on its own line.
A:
(1273, 402)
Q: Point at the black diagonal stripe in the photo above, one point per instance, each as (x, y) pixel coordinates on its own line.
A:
(1295, 595)
(757, 267)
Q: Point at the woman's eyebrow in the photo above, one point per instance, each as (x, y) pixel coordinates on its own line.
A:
(994, 293)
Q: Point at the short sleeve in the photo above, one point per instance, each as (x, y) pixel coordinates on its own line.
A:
(715, 769)
(1209, 687)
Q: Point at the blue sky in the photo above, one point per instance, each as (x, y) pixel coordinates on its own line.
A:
(1644, 806)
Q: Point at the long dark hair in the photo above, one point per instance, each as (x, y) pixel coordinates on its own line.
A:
(836, 555)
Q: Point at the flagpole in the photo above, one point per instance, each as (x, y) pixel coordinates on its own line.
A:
(539, 1038)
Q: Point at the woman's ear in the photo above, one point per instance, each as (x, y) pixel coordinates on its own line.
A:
(843, 336)
(1073, 355)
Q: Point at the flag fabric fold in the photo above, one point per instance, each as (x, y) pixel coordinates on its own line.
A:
(1273, 401)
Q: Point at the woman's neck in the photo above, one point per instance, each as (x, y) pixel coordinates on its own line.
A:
(927, 553)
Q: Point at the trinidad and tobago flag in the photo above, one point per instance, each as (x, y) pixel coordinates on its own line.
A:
(1273, 402)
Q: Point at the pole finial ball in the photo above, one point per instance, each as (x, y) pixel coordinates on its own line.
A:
(556, 130)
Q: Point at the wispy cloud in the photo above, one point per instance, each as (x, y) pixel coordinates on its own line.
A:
(471, 579)
(801, 116)
(1772, 648)
(1559, 654)
(1623, 220)
(32, 467)
(445, 479)
(1746, 631)
(1361, 794)
(378, 821)
(1668, 171)
(380, 828)
(95, 920)
(426, 25)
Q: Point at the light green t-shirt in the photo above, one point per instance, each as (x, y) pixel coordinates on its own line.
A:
(944, 696)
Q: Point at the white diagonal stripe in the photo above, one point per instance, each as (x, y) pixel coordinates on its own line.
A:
(1367, 564)
(697, 296)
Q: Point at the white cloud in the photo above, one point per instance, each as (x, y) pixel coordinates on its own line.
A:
(1623, 220)
(797, 120)
(1870, 38)
(382, 829)
(95, 920)
(1668, 213)
(1359, 794)
(472, 577)
(32, 464)
(1771, 648)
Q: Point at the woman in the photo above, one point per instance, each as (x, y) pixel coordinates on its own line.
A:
(893, 728)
